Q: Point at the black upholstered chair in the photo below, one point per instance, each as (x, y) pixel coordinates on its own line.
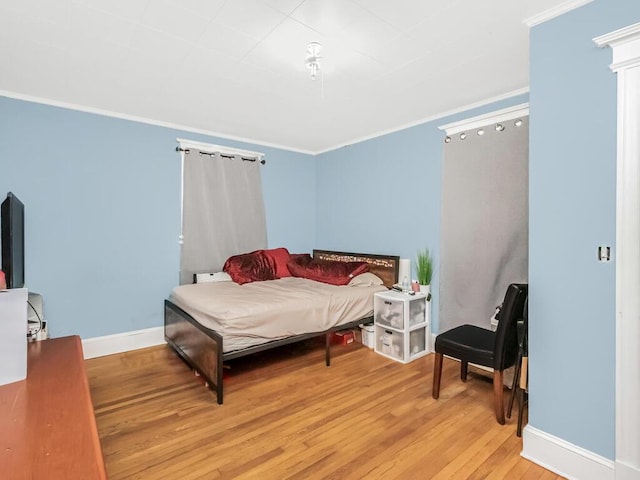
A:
(472, 344)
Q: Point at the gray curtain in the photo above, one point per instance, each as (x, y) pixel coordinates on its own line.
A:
(222, 211)
(485, 222)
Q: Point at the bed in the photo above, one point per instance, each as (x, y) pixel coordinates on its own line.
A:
(262, 315)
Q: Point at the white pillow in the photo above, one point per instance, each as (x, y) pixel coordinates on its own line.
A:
(213, 277)
(366, 279)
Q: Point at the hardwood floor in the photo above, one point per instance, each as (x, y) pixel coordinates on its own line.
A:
(286, 415)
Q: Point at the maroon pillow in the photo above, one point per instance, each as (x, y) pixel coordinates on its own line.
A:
(250, 267)
(279, 258)
(327, 271)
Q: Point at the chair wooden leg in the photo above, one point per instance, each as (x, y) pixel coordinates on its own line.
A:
(437, 375)
(523, 395)
(498, 394)
(514, 385)
(464, 368)
(522, 403)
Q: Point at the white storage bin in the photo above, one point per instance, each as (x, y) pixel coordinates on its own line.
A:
(368, 335)
(388, 311)
(417, 341)
(389, 342)
(401, 325)
(417, 312)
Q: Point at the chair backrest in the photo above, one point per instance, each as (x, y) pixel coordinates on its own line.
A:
(506, 339)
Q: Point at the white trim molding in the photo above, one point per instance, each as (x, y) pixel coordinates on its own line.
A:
(564, 458)
(431, 118)
(122, 342)
(498, 116)
(555, 12)
(148, 121)
(625, 44)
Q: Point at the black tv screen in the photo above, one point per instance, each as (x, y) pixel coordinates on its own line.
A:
(12, 223)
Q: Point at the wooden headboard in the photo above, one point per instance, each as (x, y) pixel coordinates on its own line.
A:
(384, 266)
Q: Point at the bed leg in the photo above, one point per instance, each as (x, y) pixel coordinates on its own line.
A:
(219, 374)
(327, 349)
(219, 394)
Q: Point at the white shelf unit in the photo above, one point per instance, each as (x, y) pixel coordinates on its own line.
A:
(402, 325)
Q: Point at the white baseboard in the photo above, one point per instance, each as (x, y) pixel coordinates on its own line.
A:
(564, 458)
(122, 342)
(626, 472)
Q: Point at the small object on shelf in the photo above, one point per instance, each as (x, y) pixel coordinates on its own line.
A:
(397, 287)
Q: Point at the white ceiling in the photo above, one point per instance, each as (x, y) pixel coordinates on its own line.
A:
(236, 68)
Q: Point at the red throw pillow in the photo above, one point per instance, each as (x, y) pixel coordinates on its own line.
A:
(250, 267)
(279, 257)
(326, 271)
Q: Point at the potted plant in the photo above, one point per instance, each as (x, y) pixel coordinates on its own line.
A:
(424, 270)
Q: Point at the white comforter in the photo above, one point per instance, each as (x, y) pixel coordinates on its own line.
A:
(259, 312)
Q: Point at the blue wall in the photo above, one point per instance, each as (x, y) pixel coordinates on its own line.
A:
(572, 211)
(102, 199)
(102, 208)
(383, 195)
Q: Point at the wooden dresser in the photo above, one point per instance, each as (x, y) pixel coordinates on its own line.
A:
(47, 425)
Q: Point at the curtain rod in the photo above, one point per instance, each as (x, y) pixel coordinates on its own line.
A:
(224, 155)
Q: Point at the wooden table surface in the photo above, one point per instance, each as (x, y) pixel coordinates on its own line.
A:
(47, 425)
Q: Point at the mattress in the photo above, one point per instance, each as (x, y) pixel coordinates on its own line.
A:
(260, 312)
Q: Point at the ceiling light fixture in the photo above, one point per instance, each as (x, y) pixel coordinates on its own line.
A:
(313, 58)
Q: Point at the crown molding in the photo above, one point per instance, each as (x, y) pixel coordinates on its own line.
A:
(432, 118)
(625, 43)
(618, 37)
(184, 128)
(554, 12)
(148, 121)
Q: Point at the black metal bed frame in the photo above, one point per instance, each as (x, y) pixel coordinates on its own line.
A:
(202, 348)
(191, 340)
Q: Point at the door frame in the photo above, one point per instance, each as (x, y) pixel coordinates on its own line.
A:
(625, 44)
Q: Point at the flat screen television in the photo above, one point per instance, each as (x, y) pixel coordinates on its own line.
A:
(12, 238)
